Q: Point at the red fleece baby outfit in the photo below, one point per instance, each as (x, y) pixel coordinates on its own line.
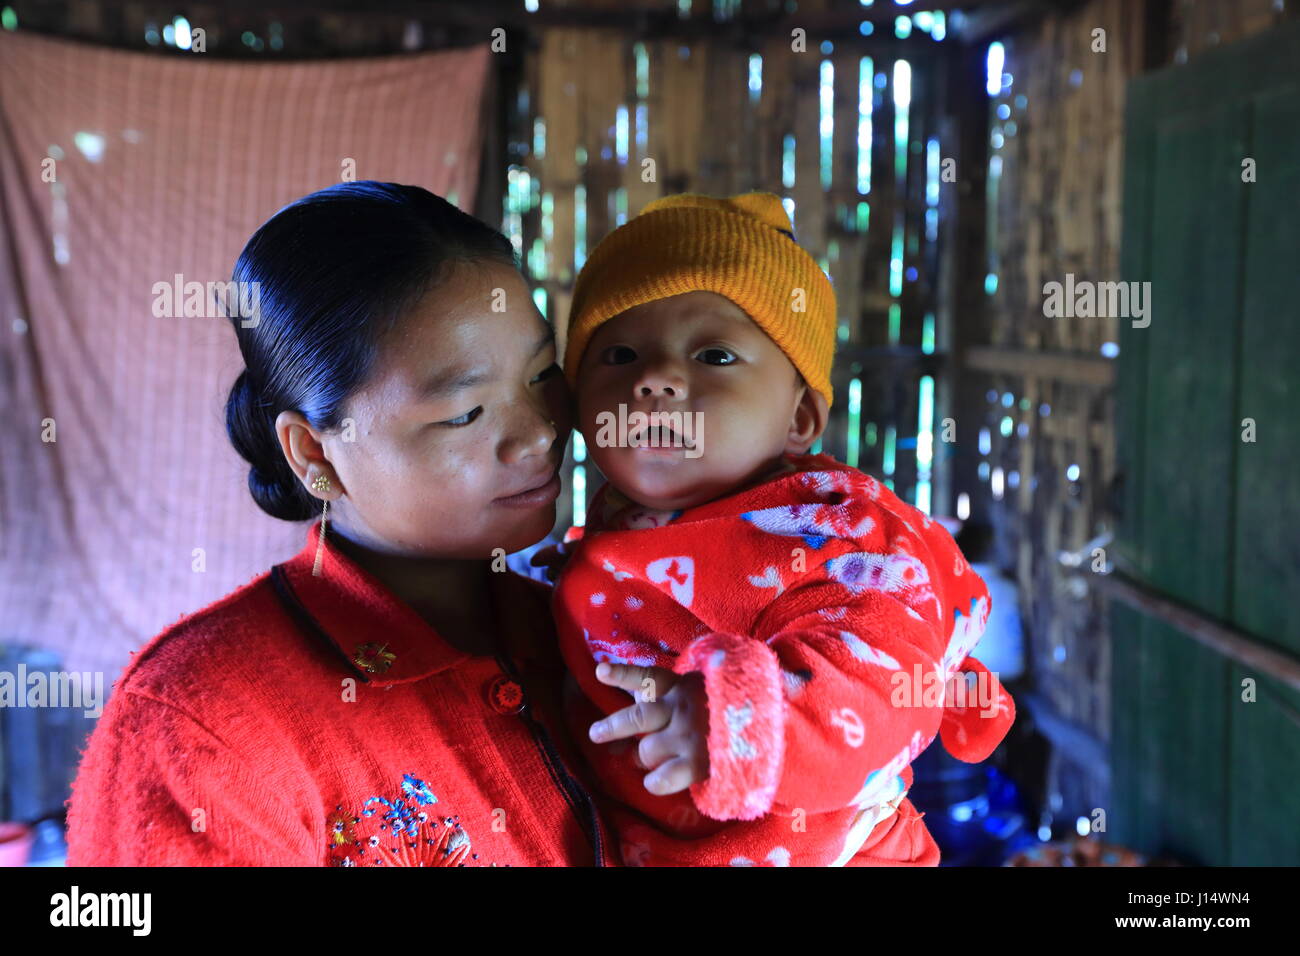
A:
(826, 616)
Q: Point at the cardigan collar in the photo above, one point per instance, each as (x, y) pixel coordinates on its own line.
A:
(382, 639)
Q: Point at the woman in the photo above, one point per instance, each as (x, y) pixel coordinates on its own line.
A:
(389, 696)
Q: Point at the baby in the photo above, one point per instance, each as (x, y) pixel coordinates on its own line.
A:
(825, 621)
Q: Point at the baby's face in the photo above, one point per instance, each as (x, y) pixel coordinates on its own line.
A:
(742, 402)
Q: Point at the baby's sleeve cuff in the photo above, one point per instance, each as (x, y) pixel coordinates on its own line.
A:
(742, 678)
(973, 731)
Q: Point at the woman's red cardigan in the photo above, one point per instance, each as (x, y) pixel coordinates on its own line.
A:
(313, 721)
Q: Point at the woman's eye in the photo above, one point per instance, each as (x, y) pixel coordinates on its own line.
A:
(716, 356)
(618, 355)
(546, 373)
(463, 419)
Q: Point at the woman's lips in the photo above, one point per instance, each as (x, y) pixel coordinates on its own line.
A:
(534, 497)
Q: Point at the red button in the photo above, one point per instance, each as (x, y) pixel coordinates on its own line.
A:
(505, 696)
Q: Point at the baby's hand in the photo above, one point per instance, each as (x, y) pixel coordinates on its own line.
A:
(672, 711)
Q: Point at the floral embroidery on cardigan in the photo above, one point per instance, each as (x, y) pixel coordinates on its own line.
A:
(374, 658)
(398, 832)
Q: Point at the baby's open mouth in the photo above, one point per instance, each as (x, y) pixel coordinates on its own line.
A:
(657, 436)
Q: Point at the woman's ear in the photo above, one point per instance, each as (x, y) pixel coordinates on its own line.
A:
(808, 422)
(306, 455)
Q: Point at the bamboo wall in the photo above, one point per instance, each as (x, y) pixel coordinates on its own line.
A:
(1055, 209)
(593, 105)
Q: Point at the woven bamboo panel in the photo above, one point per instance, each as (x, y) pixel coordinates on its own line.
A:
(706, 129)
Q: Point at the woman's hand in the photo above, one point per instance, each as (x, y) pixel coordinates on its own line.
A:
(672, 711)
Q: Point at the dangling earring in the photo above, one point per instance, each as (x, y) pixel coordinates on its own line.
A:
(321, 484)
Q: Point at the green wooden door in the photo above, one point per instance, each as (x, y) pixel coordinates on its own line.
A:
(1209, 519)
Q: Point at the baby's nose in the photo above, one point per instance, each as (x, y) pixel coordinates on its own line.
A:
(659, 382)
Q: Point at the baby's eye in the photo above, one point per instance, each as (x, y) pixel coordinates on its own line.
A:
(463, 419)
(618, 355)
(546, 373)
(716, 356)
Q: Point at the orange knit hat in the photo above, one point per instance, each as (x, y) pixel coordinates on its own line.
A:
(742, 248)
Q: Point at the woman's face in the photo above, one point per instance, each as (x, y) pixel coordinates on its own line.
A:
(453, 453)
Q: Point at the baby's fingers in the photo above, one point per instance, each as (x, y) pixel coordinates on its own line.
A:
(643, 683)
(673, 777)
(643, 717)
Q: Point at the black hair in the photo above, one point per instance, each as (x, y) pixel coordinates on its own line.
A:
(334, 271)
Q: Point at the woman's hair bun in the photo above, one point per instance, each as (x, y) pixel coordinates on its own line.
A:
(274, 486)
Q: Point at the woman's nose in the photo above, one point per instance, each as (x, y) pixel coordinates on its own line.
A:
(533, 436)
(660, 381)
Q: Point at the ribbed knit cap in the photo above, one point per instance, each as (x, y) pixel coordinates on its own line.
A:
(742, 247)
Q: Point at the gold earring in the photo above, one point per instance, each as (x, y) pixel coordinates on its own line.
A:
(321, 484)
